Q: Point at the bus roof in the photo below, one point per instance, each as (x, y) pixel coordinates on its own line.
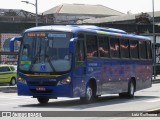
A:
(74, 28)
(86, 28)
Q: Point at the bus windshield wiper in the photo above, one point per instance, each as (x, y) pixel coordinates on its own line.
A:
(48, 58)
(35, 58)
(50, 63)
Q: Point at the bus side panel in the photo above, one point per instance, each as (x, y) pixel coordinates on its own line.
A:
(113, 76)
(82, 75)
(144, 74)
(79, 81)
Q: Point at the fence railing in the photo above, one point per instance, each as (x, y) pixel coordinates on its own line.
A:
(25, 19)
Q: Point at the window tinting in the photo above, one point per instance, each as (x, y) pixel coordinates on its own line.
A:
(124, 47)
(91, 43)
(12, 68)
(103, 46)
(149, 50)
(134, 48)
(4, 69)
(114, 47)
(80, 35)
(79, 50)
(142, 49)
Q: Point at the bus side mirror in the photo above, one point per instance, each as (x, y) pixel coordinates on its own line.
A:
(12, 41)
(72, 45)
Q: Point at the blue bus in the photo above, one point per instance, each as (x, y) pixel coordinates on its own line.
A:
(81, 61)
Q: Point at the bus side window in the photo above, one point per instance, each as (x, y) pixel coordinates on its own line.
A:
(114, 47)
(103, 46)
(92, 47)
(25, 52)
(142, 49)
(124, 48)
(79, 54)
(149, 50)
(134, 49)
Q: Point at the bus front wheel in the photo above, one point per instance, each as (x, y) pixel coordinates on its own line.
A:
(42, 100)
(89, 95)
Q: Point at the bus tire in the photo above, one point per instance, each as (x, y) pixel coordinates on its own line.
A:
(122, 95)
(43, 100)
(130, 92)
(131, 89)
(89, 95)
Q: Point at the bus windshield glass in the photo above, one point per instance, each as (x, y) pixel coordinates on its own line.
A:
(45, 52)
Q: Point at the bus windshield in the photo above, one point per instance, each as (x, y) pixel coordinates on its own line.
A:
(45, 52)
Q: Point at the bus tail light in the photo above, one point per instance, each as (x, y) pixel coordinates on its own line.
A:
(64, 81)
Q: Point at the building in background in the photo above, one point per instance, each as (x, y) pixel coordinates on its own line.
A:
(13, 21)
(4, 47)
(70, 13)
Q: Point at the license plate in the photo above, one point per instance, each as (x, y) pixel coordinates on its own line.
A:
(40, 88)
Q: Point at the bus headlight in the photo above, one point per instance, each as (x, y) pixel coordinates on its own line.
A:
(64, 81)
(19, 79)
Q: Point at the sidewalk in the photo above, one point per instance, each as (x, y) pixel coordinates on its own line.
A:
(157, 80)
(8, 89)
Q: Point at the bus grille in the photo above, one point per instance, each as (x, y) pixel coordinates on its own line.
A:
(44, 83)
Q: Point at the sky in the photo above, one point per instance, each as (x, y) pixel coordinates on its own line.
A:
(133, 6)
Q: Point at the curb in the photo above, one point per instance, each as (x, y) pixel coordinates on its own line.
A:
(8, 89)
(155, 81)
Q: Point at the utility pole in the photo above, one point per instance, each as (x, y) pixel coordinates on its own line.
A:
(36, 6)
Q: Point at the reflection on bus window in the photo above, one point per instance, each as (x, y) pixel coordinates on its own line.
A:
(25, 53)
(103, 46)
(91, 42)
(143, 50)
(80, 50)
(124, 44)
(134, 48)
(114, 47)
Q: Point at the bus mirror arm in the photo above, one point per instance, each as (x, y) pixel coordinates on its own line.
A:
(72, 45)
(12, 41)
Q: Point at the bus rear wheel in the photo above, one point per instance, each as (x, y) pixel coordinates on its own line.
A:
(131, 89)
(43, 100)
(130, 92)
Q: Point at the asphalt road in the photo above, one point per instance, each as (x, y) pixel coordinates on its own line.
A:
(110, 105)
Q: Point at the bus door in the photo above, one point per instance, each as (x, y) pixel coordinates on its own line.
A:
(79, 68)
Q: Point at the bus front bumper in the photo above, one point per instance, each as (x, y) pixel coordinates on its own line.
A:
(64, 90)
